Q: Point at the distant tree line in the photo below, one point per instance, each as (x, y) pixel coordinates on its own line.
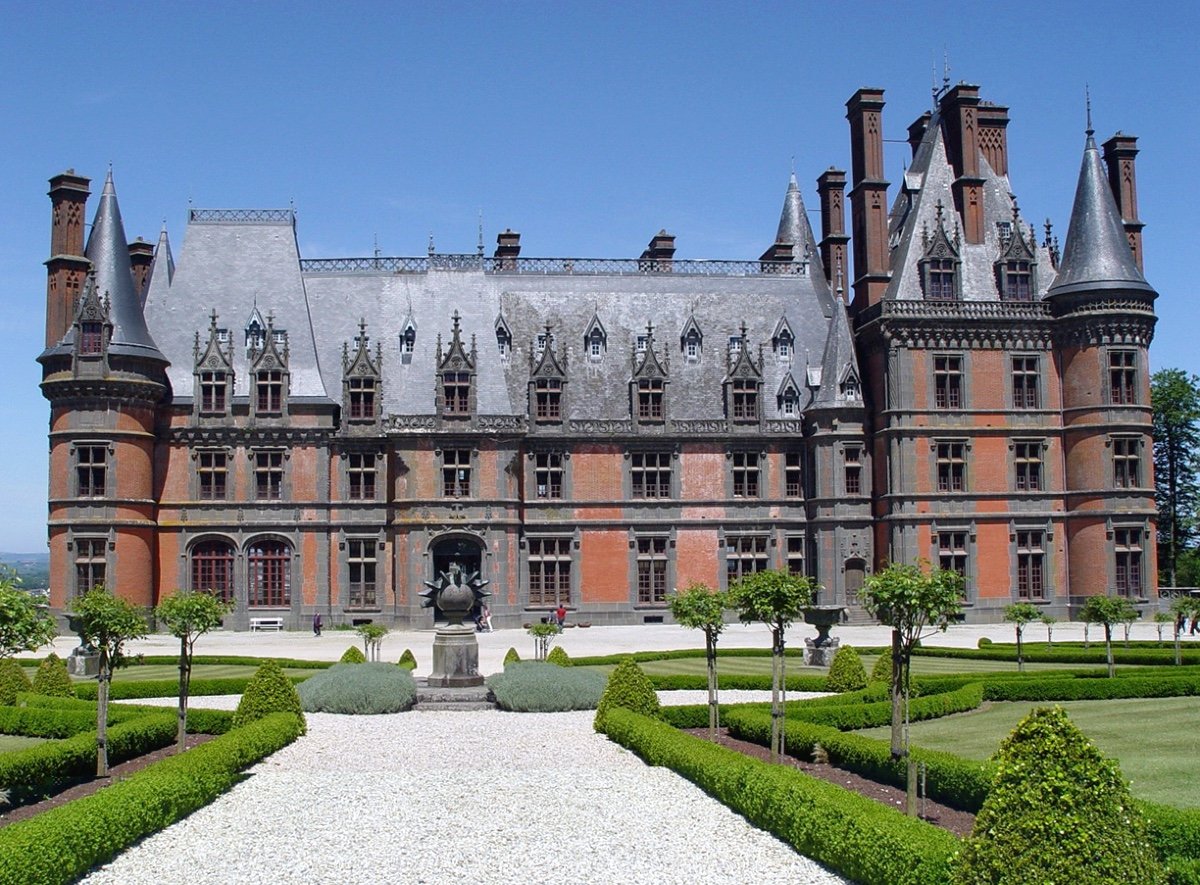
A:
(1175, 396)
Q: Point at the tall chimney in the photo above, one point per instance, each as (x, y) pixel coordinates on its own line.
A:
(67, 267)
(658, 255)
(508, 247)
(141, 258)
(868, 197)
(831, 188)
(993, 136)
(959, 108)
(917, 130)
(1119, 154)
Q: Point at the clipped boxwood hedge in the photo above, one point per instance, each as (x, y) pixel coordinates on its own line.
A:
(730, 682)
(642, 657)
(165, 688)
(62, 844)
(1053, 689)
(45, 722)
(849, 717)
(1064, 654)
(199, 721)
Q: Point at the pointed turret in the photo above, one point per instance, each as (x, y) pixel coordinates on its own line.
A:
(162, 270)
(794, 240)
(1097, 254)
(839, 371)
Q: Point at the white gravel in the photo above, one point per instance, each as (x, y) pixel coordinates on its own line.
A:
(442, 797)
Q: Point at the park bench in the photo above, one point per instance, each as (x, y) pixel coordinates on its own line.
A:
(275, 623)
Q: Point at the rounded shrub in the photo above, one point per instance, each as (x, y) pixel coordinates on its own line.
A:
(359, 689)
(12, 680)
(536, 687)
(630, 688)
(511, 657)
(1058, 811)
(984, 642)
(559, 657)
(52, 678)
(353, 655)
(268, 691)
(847, 673)
(407, 660)
(882, 671)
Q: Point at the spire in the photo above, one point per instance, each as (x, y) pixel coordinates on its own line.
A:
(1097, 253)
(839, 373)
(164, 261)
(793, 222)
(108, 251)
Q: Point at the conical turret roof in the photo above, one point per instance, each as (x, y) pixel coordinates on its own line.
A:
(1097, 255)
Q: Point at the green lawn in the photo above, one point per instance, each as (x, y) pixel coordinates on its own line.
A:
(10, 742)
(147, 672)
(1155, 740)
(922, 666)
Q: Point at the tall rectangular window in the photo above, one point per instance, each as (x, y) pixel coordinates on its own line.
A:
(940, 279)
(269, 573)
(1031, 563)
(652, 570)
(212, 471)
(89, 563)
(951, 466)
(795, 554)
(952, 552)
(1016, 280)
(548, 474)
(362, 399)
(650, 399)
(1122, 377)
(1025, 380)
(744, 555)
(550, 571)
(548, 399)
(91, 470)
(947, 382)
(650, 474)
(744, 394)
(360, 475)
(852, 464)
(1127, 546)
(1027, 461)
(456, 473)
(269, 388)
(745, 474)
(91, 338)
(212, 569)
(456, 388)
(212, 393)
(792, 475)
(1125, 456)
(268, 475)
(360, 559)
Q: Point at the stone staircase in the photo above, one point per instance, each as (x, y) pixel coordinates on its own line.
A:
(432, 697)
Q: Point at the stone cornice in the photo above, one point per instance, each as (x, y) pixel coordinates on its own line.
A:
(251, 436)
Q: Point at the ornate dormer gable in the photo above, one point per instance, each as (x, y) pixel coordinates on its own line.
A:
(256, 333)
(213, 371)
(362, 380)
(547, 381)
(849, 384)
(691, 340)
(940, 264)
(647, 388)
(408, 339)
(269, 375)
(743, 384)
(787, 397)
(1016, 269)
(595, 339)
(783, 340)
(93, 326)
(741, 362)
(504, 338)
(456, 375)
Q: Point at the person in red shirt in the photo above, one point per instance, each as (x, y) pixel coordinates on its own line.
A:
(560, 614)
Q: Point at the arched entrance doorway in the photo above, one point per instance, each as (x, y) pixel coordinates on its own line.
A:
(466, 552)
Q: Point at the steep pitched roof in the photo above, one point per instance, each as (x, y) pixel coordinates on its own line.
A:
(838, 363)
(162, 269)
(795, 229)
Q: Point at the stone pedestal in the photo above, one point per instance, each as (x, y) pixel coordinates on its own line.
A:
(819, 652)
(84, 661)
(455, 657)
(816, 655)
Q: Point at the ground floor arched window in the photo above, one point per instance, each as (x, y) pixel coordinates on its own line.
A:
(212, 568)
(269, 573)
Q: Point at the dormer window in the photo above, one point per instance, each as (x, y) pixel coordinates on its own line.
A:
(223, 337)
(255, 338)
(279, 336)
(408, 342)
(91, 338)
(940, 264)
(1016, 280)
(789, 403)
(941, 279)
(744, 398)
(212, 393)
(691, 347)
(650, 399)
(503, 343)
(269, 387)
(783, 345)
(850, 389)
(362, 399)
(1016, 267)
(548, 399)
(641, 344)
(539, 344)
(735, 346)
(595, 345)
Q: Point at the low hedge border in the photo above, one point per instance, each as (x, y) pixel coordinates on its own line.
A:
(852, 716)
(677, 653)
(731, 682)
(45, 722)
(850, 834)
(1065, 655)
(165, 688)
(62, 844)
(199, 721)
(1053, 689)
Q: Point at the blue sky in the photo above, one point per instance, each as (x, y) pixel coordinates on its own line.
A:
(585, 126)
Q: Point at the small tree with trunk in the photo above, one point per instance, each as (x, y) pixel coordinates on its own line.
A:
(24, 624)
(777, 598)
(1048, 621)
(1161, 619)
(188, 615)
(1182, 608)
(915, 604)
(700, 607)
(1107, 611)
(543, 634)
(107, 623)
(372, 638)
(1019, 615)
(1131, 614)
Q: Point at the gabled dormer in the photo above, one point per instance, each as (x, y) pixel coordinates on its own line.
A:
(256, 333)
(648, 386)
(849, 384)
(691, 340)
(504, 338)
(408, 339)
(743, 384)
(941, 263)
(270, 379)
(547, 382)
(788, 397)
(783, 340)
(212, 368)
(92, 330)
(1016, 268)
(595, 339)
(362, 381)
(456, 376)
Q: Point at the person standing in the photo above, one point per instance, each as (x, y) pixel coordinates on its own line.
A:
(487, 617)
(560, 614)
(317, 624)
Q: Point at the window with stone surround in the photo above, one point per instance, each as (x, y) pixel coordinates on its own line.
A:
(650, 474)
(1027, 465)
(952, 551)
(456, 390)
(1127, 554)
(794, 554)
(91, 338)
(1126, 455)
(548, 399)
(948, 382)
(792, 475)
(652, 570)
(1122, 377)
(852, 465)
(360, 475)
(1026, 376)
(744, 555)
(456, 473)
(212, 472)
(650, 399)
(1031, 565)
(362, 398)
(268, 388)
(550, 560)
(268, 474)
(269, 573)
(212, 569)
(548, 474)
(745, 469)
(90, 563)
(212, 393)
(361, 568)
(744, 399)
(91, 469)
(951, 466)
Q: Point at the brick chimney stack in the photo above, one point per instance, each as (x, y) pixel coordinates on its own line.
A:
(993, 136)
(67, 267)
(1119, 154)
(141, 258)
(508, 247)
(868, 197)
(917, 130)
(831, 188)
(960, 117)
(658, 255)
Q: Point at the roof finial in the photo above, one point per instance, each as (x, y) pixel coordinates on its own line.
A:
(479, 242)
(945, 68)
(1087, 95)
(431, 250)
(793, 164)
(376, 247)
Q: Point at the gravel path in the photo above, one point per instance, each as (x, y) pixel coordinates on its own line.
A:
(509, 797)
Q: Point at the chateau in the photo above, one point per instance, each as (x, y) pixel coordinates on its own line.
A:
(305, 434)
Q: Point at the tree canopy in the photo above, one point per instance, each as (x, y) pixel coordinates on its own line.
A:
(24, 624)
(1175, 398)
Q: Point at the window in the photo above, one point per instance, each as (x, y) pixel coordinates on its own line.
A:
(89, 564)
(951, 466)
(735, 346)
(360, 560)
(269, 387)
(941, 279)
(795, 554)
(362, 399)
(745, 474)
(745, 399)
(549, 571)
(641, 343)
(212, 393)
(456, 473)
(744, 555)
(212, 569)
(548, 474)
(1025, 382)
(212, 471)
(652, 570)
(503, 342)
(789, 403)
(1031, 565)
(456, 388)
(651, 474)
(783, 345)
(952, 552)
(595, 345)
(1027, 460)
(691, 346)
(408, 342)
(269, 568)
(1016, 280)
(650, 399)
(91, 470)
(548, 399)
(268, 475)
(947, 382)
(1127, 544)
(792, 475)
(852, 464)
(254, 338)
(1125, 461)
(360, 475)
(851, 389)
(91, 338)
(1122, 377)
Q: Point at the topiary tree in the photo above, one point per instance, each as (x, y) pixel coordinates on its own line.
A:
(372, 637)
(559, 657)
(543, 635)
(700, 607)
(1019, 614)
(846, 672)
(511, 656)
(1106, 611)
(12, 680)
(1049, 621)
(188, 615)
(52, 678)
(408, 660)
(24, 624)
(627, 687)
(352, 655)
(882, 671)
(1058, 811)
(268, 691)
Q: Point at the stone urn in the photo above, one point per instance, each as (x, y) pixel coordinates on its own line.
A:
(819, 652)
(84, 660)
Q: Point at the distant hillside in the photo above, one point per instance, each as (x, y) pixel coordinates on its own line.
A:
(25, 558)
(33, 568)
